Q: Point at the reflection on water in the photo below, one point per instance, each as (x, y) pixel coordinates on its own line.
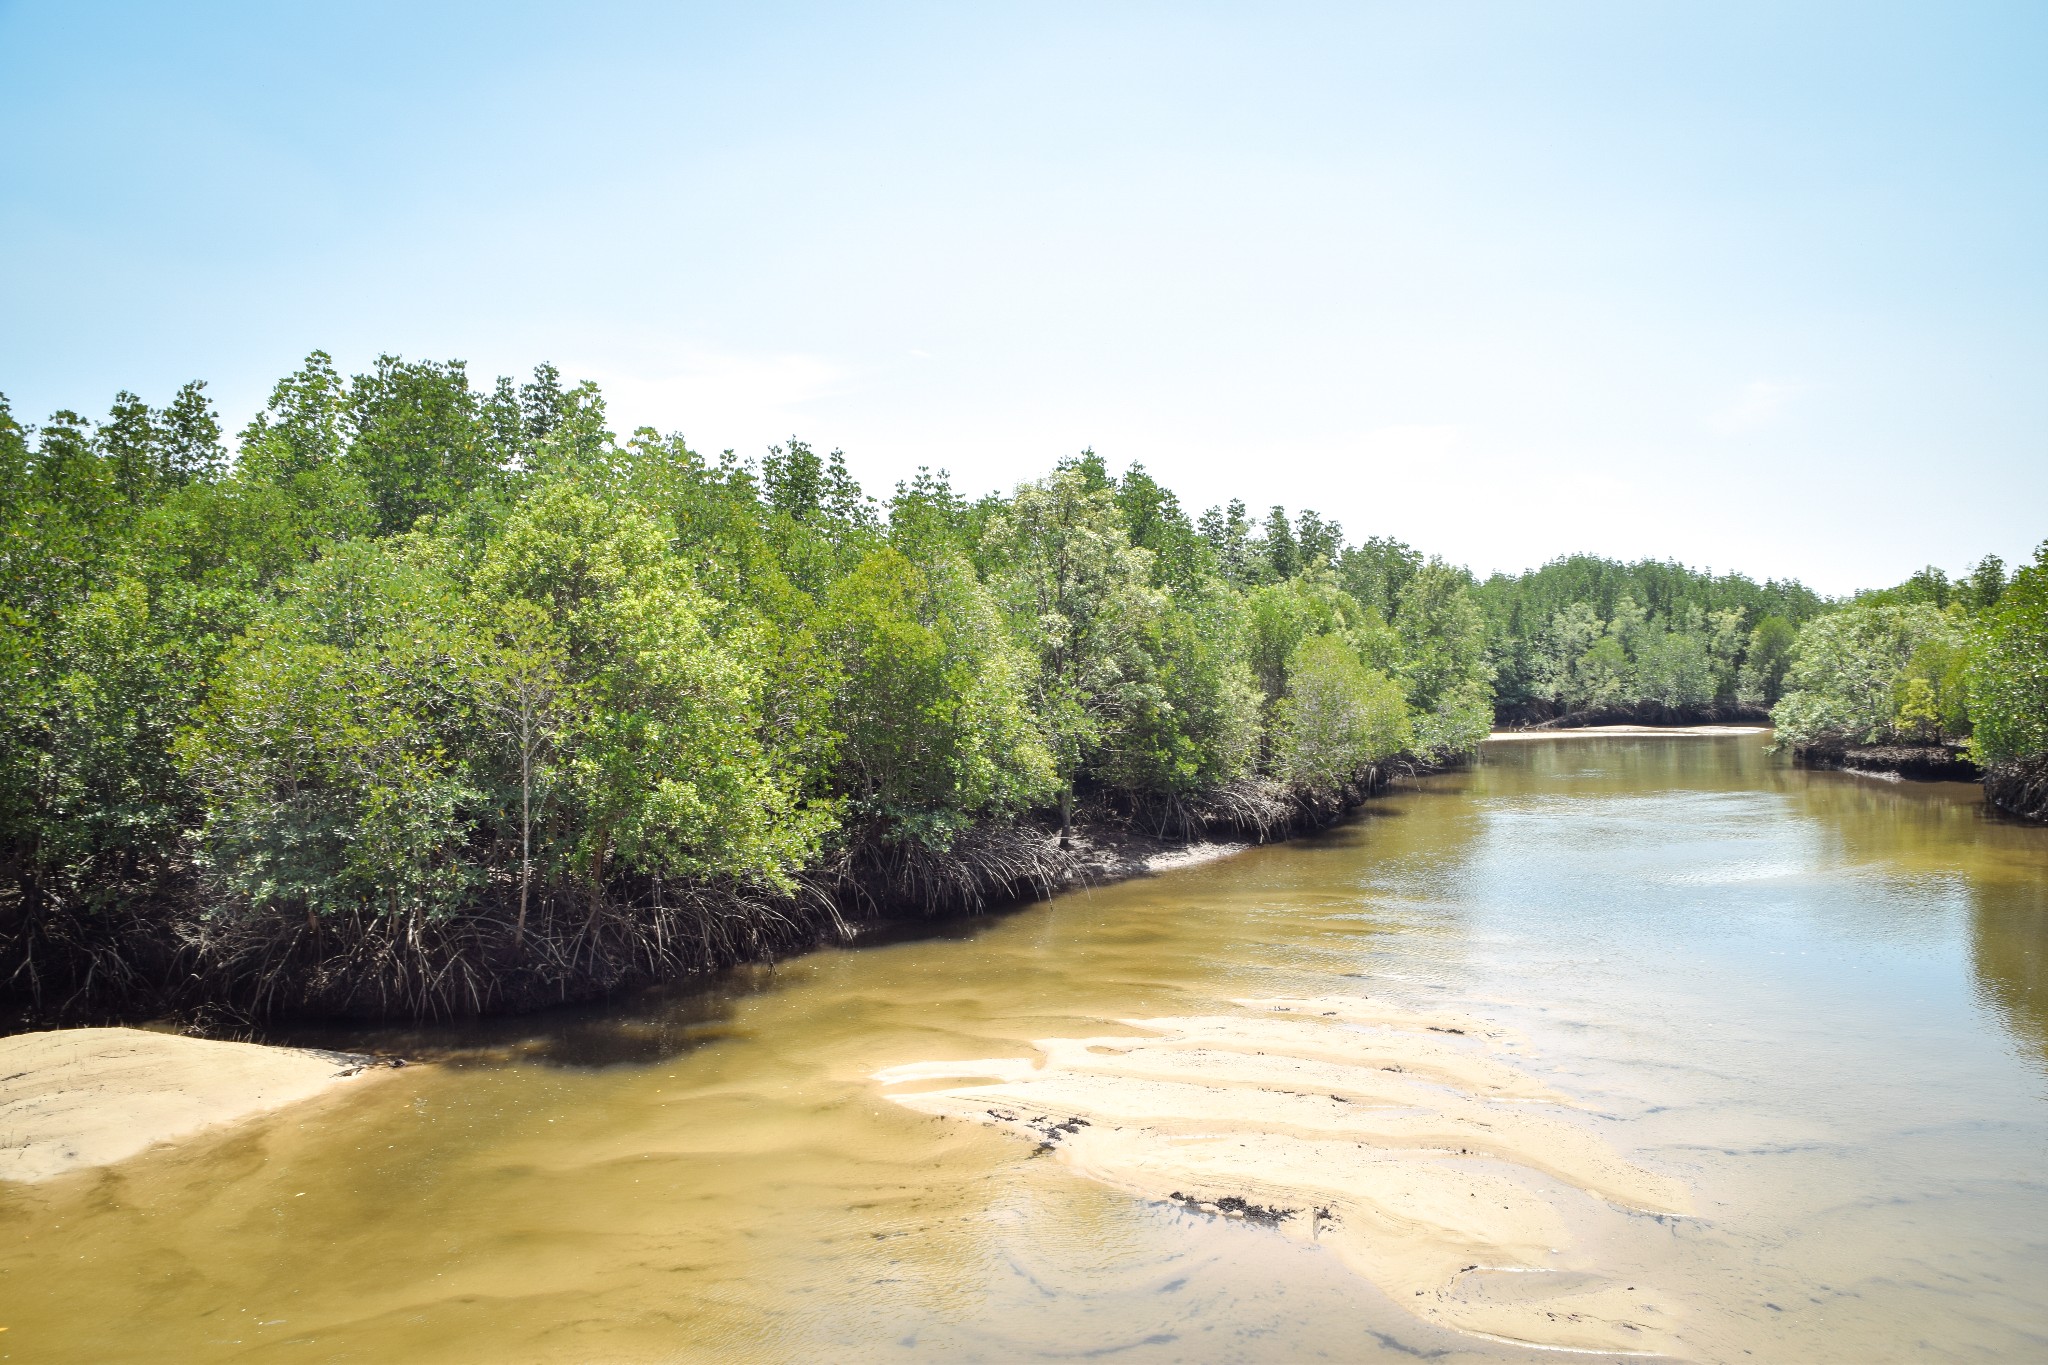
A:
(2009, 950)
(1817, 999)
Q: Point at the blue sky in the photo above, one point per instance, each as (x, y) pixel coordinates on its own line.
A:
(1756, 286)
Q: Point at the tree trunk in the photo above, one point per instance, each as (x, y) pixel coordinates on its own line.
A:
(525, 841)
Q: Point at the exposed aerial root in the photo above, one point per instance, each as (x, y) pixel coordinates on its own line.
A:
(243, 963)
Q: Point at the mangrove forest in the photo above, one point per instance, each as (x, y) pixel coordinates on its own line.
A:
(428, 699)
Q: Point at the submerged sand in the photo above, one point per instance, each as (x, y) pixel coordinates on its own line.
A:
(1411, 1144)
(73, 1098)
(1665, 731)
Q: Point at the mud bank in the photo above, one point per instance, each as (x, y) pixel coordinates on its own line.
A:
(1914, 762)
(2019, 787)
(1413, 1145)
(75, 1098)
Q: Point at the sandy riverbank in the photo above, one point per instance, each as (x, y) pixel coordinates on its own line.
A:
(72, 1098)
(1660, 731)
(1413, 1145)
(1103, 856)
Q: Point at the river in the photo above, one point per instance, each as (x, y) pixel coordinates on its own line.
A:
(1816, 1002)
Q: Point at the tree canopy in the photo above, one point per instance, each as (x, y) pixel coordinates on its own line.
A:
(432, 696)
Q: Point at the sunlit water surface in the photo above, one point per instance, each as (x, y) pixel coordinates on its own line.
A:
(1817, 998)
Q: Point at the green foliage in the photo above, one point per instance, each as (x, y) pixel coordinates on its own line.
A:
(1281, 550)
(819, 521)
(1192, 720)
(1853, 671)
(932, 711)
(1928, 587)
(2006, 679)
(1933, 698)
(1765, 662)
(389, 739)
(1919, 710)
(295, 447)
(107, 638)
(1683, 639)
(1929, 660)
(929, 520)
(1228, 534)
(454, 683)
(1154, 521)
(95, 807)
(1375, 570)
(418, 441)
(1985, 584)
(1337, 719)
(328, 756)
(1443, 664)
(1676, 663)
(1078, 598)
(1281, 615)
(682, 756)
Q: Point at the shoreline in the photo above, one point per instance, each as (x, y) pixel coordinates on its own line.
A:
(994, 868)
(1628, 731)
(1892, 762)
(2019, 787)
(80, 1098)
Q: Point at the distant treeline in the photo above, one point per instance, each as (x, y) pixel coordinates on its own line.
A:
(434, 699)
(1595, 638)
(1935, 661)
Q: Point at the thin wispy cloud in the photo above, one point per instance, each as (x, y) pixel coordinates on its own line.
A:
(1756, 404)
(716, 398)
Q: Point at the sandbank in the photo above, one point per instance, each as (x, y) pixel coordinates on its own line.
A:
(1414, 1145)
(1599, 731)
(1193, 855)
(73, 1098)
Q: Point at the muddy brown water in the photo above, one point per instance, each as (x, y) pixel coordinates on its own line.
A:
(1821, 1000)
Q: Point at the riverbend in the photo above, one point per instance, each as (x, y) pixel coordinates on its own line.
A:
(1754, 1060)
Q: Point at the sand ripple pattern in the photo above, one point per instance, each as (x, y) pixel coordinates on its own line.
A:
(1411, 1144)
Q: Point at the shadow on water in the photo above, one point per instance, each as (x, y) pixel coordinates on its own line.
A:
(638, 1028)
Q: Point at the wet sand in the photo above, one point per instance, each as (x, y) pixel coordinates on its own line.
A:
(1410, 1143)
(73, 1098)
(1632, 731)
(1192, 855)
